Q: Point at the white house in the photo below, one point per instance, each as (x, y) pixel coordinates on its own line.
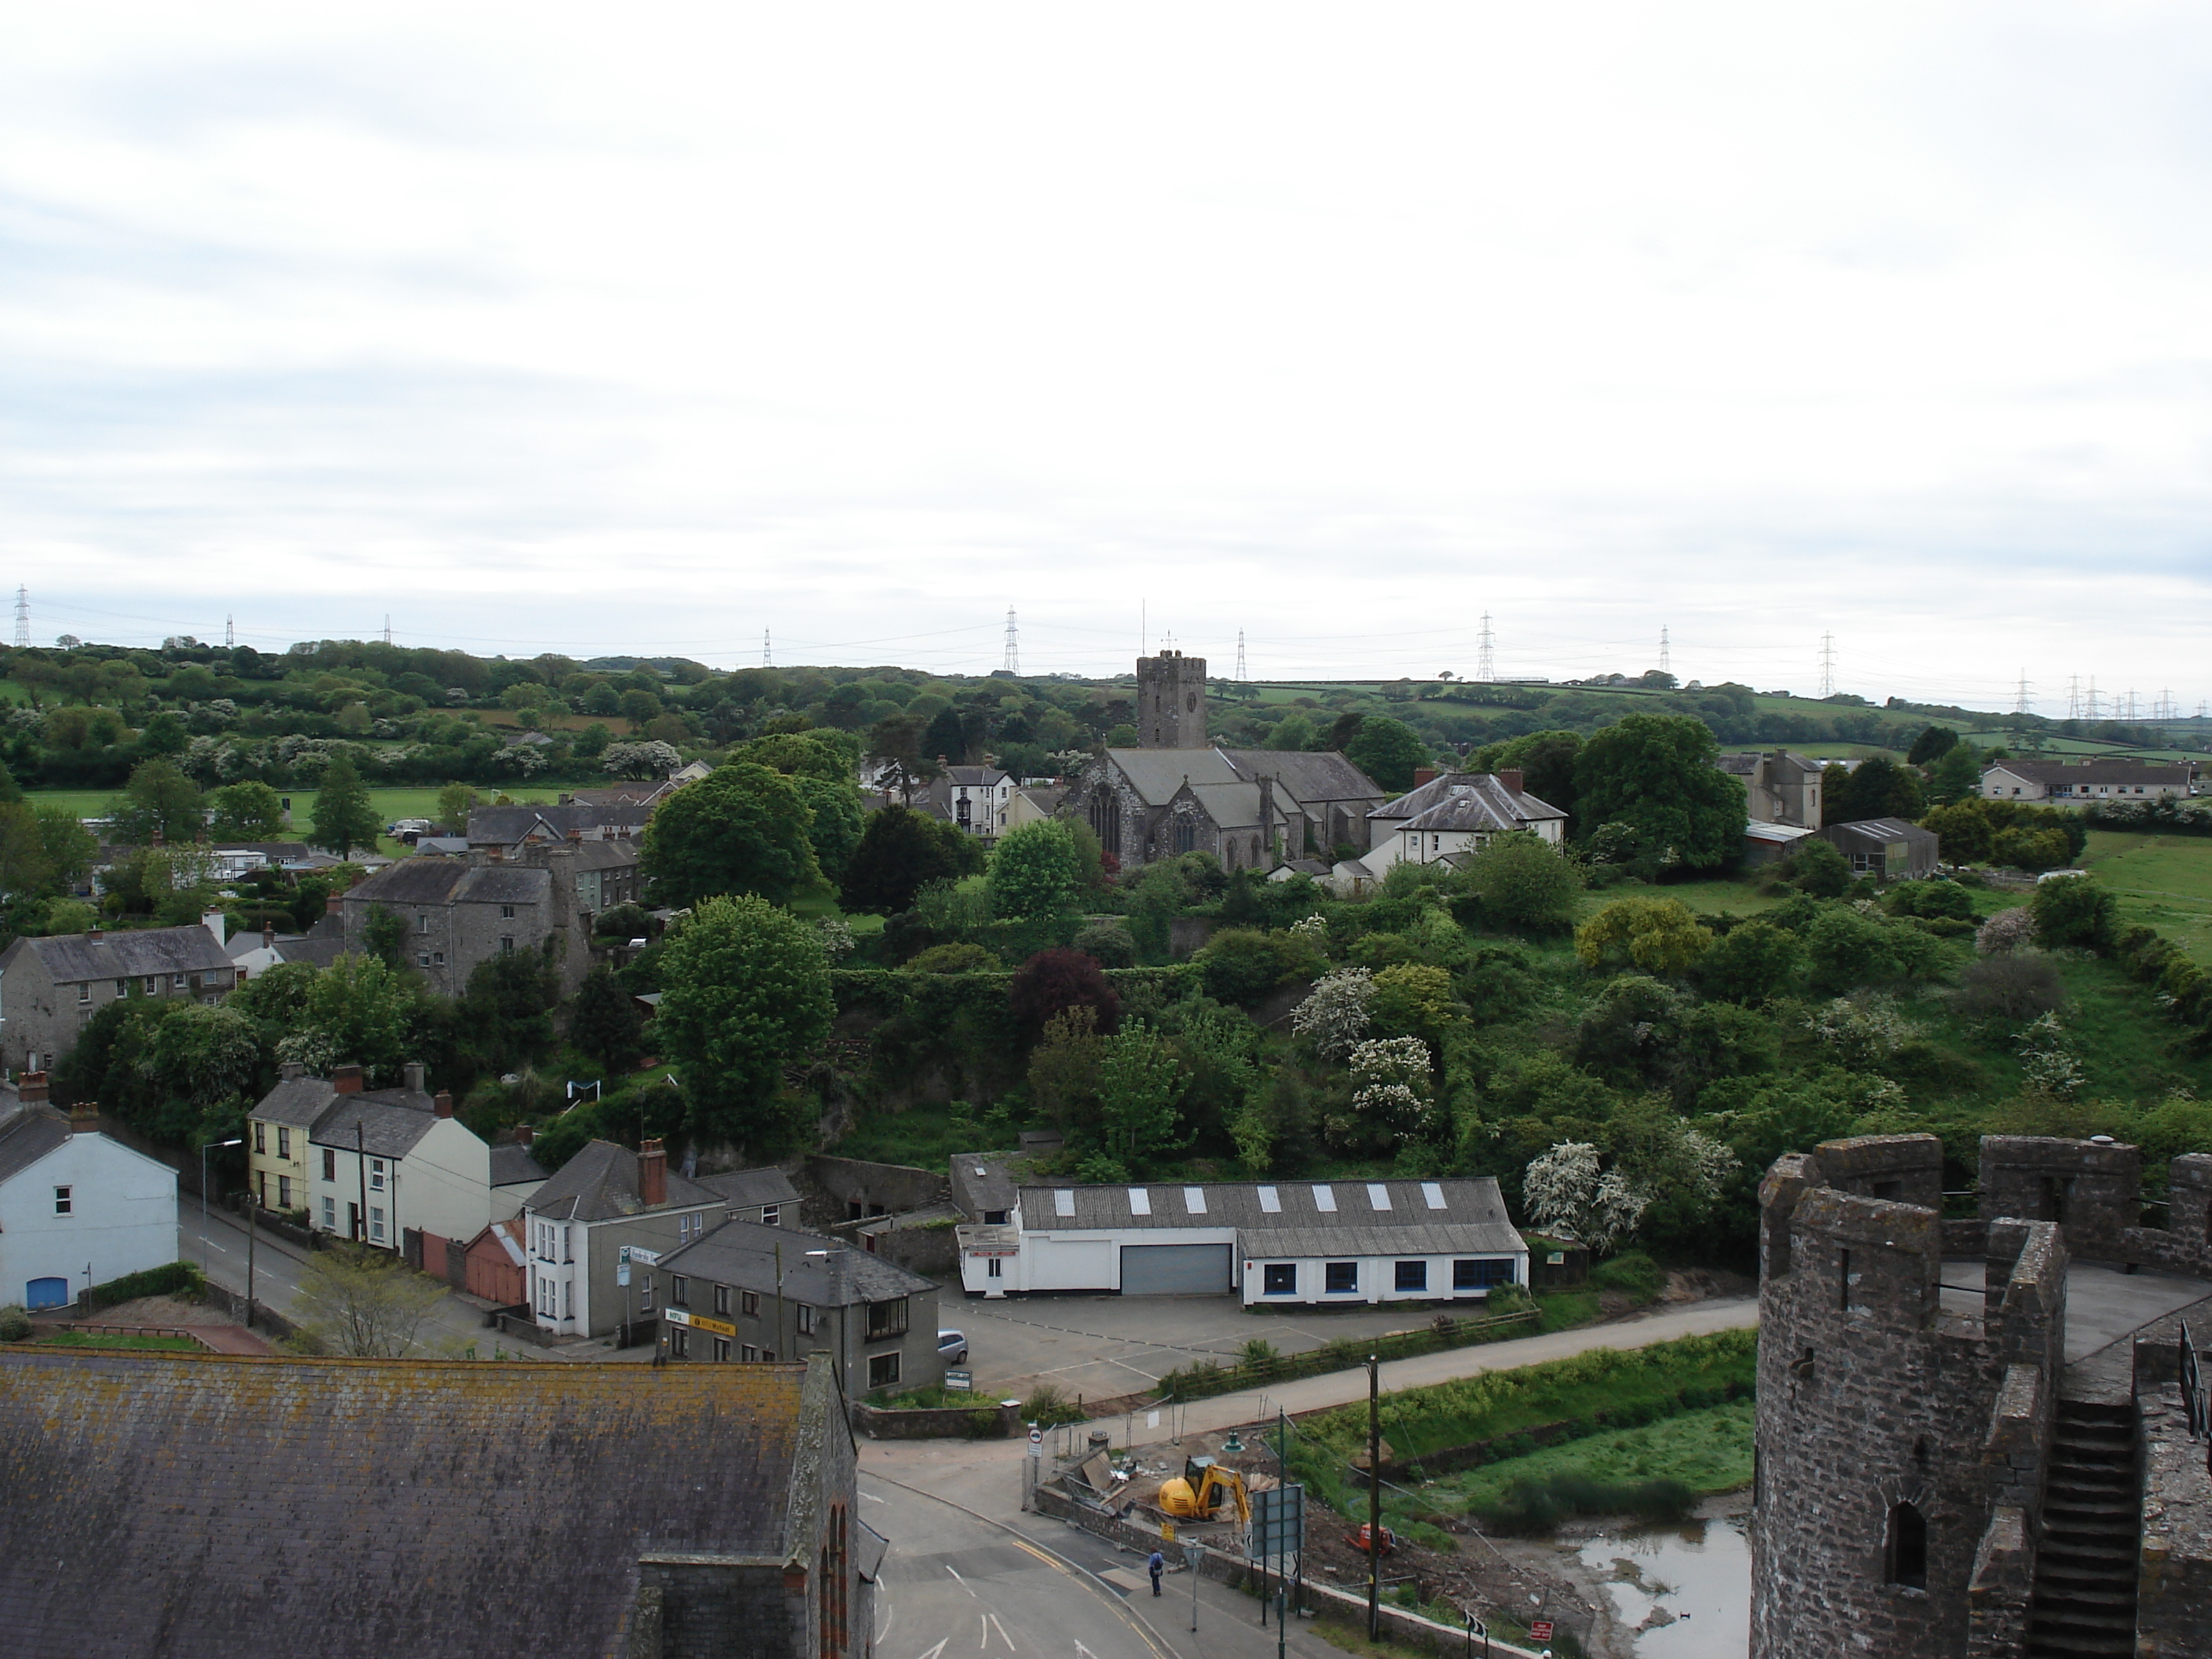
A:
(1456, 813)
(1344, 1241)
(2082, 781)
(76, 1209)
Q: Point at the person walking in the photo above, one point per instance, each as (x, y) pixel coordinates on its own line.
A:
(1155, 1566)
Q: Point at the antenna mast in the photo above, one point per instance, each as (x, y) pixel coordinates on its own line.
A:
(1013, 650)
(1485, 666)
(1827, 666)
(23, 619)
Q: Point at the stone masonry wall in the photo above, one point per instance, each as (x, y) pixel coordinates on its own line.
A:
(2094, 1190)
(2174, 1590)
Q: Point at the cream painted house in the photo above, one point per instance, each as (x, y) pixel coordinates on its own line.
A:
(1456, 813)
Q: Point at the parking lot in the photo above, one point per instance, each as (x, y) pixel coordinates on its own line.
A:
(1101, 1345)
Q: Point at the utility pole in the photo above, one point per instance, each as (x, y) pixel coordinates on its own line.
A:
(2020, 702)
(387, 628)
(1374, 1500)
(1827, 666)
(1484, 665)
(229, 630)
(1665, 667)
(1013, 650)
(2073, 697)
(1240, 655)
(23, 619)
(2093, 712)
(767, 658)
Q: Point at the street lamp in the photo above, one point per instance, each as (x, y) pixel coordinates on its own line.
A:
(208, 1147)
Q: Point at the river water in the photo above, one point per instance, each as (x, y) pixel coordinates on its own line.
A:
(1700, 1572)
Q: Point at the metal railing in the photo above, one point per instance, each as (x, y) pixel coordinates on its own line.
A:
(2193, 1395)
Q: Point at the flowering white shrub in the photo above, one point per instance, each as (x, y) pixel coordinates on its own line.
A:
(1313, 930)
(641, 760)
(1334, 1018)
(2046, 1054)
(2007, 929)
(1389, 1081)
(1568, 1191)
(837, 938)
(1863, 1034)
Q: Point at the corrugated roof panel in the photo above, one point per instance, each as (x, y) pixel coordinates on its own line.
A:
(1140, 1202)
(1434, 1193)
(1271, 1201)
(1063, 1200)
(1193, 1200)
(1324, 1198)
(1378, 1195)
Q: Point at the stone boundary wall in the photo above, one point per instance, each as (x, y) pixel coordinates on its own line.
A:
(896, 1187)
(938, 1423)
(2174, 1585)
(233, 1302)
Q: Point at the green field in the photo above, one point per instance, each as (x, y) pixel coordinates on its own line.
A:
(391, 805)
(2163, 881)
(117, 1340)
(1708, 1451)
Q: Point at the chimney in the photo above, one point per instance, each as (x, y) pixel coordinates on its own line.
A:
(31, 1088)
(496, 854)
(84, 1117)
(1511, 777)
(576, 837)
(346, 1079)
(217, 923)
(268, 935)
(443, 1104)
(412, 1070)
(290, 1069)
(1424, 774)
(334, 905)
(524, 1134)
(95, 932)
(652, 1173)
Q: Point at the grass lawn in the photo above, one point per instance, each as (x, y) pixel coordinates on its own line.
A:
(117, 1339)
(2165, 881)
(1708, 1451)
(391, 805)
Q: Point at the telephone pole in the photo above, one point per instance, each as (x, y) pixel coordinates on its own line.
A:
(1827, 665)
(1013, 649)
(1485, 664)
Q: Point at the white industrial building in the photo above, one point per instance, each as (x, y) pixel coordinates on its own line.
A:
(1341, 1242)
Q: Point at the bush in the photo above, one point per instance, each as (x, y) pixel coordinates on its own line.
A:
(14, 1323)
(1241, 965)
(2016, 987)
(1633, 1274)
(953, 959)
(1521, 882)
(985, 1425)
(1053, 981)
(1753, 962)
(1108, 944)
(1816, 867)
(1048, 1406)
(2073, 910)
(177, 1278)
(1931, 899)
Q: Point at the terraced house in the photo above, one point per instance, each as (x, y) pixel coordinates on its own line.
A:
(49, 988)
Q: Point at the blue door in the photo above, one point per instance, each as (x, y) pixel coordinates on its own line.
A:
(47, 1293)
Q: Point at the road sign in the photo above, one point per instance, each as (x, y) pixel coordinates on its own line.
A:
(1036, 1442)
(1279, 1521)
(958, 1379)
(1540, 1630)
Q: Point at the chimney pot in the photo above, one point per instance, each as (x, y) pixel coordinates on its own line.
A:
(268, 935)
(334, 905)
(412, 1070)
(1511, 777)
(95, 932)
(31, 1089)
(1424, 774)
(290, 1069)
(575, 835)
(524, 1134)
(652, 1173)
(443, 1104)
(84, 1117)
(346, 1079)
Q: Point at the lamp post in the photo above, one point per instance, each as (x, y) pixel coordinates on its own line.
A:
(205, 1149)
(1195, 1554)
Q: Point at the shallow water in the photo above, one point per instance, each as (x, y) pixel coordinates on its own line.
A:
(1701, 1568)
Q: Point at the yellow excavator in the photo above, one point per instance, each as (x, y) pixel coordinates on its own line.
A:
(1198, 1491)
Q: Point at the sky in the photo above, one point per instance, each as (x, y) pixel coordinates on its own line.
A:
(660, 329)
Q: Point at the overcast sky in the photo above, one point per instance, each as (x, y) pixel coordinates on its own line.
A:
(651, 329)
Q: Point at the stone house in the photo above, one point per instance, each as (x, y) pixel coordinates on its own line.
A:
(2077, 783)
(76, 1209)
(458, 913)
(1448, 815)
(1250, 808)
(609, 1212)
(559, 1511)
(1778, 786)
(511, 828)
(969, 798)
(51, 987)
(605, 873)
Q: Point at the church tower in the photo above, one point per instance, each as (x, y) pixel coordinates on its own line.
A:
(1171, 701)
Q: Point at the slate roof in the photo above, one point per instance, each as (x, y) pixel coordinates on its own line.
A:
(981, 1181)
(599, 1183)
(1157, 774)
(390, 1123)
(507, 826)
(747, 1188)
(2054, 773)
(28, 1133)
(425, 845)
(1307, 775)
(1465, 800)
(438, 1509)
(71, 958)
(742, 1253)
(605, 854)
(512, 1165)
(620, 794)
(297, 1101)
(1472, 1210)
(427, 881)
(1231, 806)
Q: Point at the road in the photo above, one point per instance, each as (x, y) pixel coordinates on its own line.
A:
(450, 1326)
(953, 1585)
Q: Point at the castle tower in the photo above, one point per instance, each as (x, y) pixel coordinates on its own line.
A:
(1171, 701)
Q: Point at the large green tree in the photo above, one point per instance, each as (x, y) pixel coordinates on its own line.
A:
(1877, 787)
(504, 1016)
(160, 802)
(345, 817)
(899, 853)
(1138, 1080)
(1036, 870)
(1387, 751)
(1546, 761)
(836, 824)
(246, 812)
(604, 1024)
(1655, 775)
(745, 989)
(358, 1011)
(1525, 884)
(742, 829)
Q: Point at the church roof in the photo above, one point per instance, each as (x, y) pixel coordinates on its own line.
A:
(1157, 774)
(1305, 775)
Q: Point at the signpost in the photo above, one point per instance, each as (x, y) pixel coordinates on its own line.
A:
(1278, 1529)
(1540, 1630)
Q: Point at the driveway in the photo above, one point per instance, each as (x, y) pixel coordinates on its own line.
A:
(1101, 1345)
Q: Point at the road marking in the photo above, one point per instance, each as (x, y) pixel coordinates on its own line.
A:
(990, 1623)
(934, 1651)
(962, 1583)
(870, 1497)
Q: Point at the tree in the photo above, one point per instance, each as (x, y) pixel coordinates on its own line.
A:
(360, 1011)
(944, 739)
(1139, 1079)
(1063, 1070)
(745, 989)
(1658, 936)
(160, 802)
(1816, 867)
(1931, 745)
(1053, 981)
(1877, 787)
(1656, 774)
(69, 846)
(455, 802)
(1241, 965)
(640, 760)
(899, 853)
(836, 824)
(1524, 884)
(505, 1012)
(2073, 910)
(603, 1022)
(801, 754)
(1568, 1191)
(246, 812)
(742, 829)
(1956, 776)
(384, 935)
(1546, 761)
(363, 1304)
(1035, 870)
(344, 818)
(1387, 751)
(1334, 1018)
(1754, 961)
(640, 708)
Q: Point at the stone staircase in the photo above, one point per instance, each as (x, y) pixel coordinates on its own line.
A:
(2085, 1569)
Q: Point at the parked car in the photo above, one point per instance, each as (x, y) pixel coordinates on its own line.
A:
(952, 1347)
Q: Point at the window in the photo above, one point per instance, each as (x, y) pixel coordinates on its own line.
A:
(679, 1291)
(153, 986)
(1340, 1278)
(1481, 1275)
(887, 1319)
(375, 1223)
(283, 1141)
(721, 1348)
(680, 1342)
(176, 981)
(64, 1202)
(1063, 1201)
(329, 1215)
(261, 1188)
(1271, 1201)
(437, 958)
(506, 945)
(422, 958)
(1140, 1202)
(997, 1269)
(748, 1353)
(805, 1318)
(84, 992)
(283, 1192)
(507, 912)
(1432, 1194)
(645, 1293)
(421, 922)
(1378, 1196)
(771, 1215)
(329, 1165)
(1325, 1198)
(1279, 1279)
(1411, 1276)
(1908, 1548)
(376, 1174)
(722, 1300)
(883, 1369)
(260, 1136)
(749, 1304)
(1194, 1200)
(1889, 1191)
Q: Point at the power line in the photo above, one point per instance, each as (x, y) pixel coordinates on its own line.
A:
(1013, 649)
(2091, 711)
(2164, 709)
(1485, 666)
(2073, 697)
(1827, 666)
(387, 628)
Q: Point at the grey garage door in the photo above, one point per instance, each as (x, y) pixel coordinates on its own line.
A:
(1174, 1270)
